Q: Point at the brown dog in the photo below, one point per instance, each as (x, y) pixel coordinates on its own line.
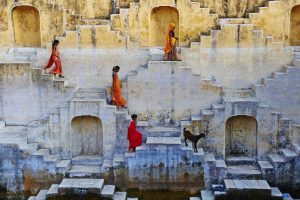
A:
(194, 138)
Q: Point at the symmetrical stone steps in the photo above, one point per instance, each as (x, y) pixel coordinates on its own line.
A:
(81, 186)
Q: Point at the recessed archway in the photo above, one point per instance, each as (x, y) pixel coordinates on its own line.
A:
(86, 136)
(295, 26)
(241, 136)
(160, 19)
(26, 26)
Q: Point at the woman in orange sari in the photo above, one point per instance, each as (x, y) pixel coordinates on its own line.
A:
(117, 99)
(55, 59)
(170, 48)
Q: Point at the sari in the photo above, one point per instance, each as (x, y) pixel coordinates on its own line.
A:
(134, 137)
(54, 58)
(170, 47)
(117, 99)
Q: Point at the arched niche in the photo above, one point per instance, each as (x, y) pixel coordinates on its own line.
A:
(26, 26)
(295, 26)
(86, 136)
(241, 136)
(160, 19)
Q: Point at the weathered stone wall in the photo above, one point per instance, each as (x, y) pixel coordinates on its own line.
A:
(237, 67)
(232, 8)
(282, 93)
(167, 92)
(25, 96)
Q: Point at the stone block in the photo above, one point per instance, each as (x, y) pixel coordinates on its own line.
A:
(80, 186)
(108, 191)
(87, 160)
(42, 195)
(53, 191)
(63, 166)
(276, 194)
(207, 195)
(120, 196)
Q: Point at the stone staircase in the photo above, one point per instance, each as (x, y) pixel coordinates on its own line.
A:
(70, 187)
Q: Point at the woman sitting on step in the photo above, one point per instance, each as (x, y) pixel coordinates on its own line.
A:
(170, 47)
(55, 59)
(117, 97)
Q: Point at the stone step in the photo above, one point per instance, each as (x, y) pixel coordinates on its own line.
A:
(108, 191)
(87, 160)
(296, 147)
(276, 159)
(107, 165)
(220, 195)
(164, 132)
(276, 194)
(240, 160)
(288, 154)
(52, 158)
(207, 195)
(120, 196)
(63, 166)
(80, 186)
(243, 172)
(163, 141)
(250, 185)
(156, 54)
(53, 191)
(42, 195)
(119, 159)
(29, 147)
(84, 171)
(41, 153)
(195, 198)
(31, 198)
(265, 165)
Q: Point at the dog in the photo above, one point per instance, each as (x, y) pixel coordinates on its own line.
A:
(194, 138)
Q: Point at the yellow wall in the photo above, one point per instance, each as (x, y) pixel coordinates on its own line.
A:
(161, 17)
(26, 26)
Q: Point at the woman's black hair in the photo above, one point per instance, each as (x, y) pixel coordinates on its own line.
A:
(54, 43)
(133, 116)
(116, 67)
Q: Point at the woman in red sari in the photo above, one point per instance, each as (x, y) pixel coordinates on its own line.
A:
(117, 98)
(134, 137)
(54, 58)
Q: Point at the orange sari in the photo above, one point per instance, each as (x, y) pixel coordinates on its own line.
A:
(56, 60)
(117, 99)
(170, 47)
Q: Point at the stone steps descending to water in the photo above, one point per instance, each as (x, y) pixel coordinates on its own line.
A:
(79, 186)
(276, 194)
(42, 195)
(248, 188)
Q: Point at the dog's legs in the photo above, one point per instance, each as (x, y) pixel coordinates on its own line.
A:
(186, 144)
(195, 147)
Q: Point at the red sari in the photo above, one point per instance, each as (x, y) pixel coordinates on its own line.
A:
(56, 60)
(134, 137)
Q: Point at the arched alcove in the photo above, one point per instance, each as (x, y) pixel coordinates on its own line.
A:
(295, 26)
(160, 19)
(241, 136)
(26, 26)
(86, 136)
